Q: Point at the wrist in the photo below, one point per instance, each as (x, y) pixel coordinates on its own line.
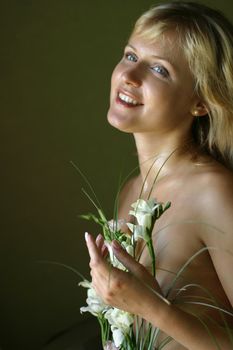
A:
(156, 309)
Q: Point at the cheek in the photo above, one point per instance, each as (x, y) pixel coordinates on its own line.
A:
(117, 73)
(115, 81)
(159, 95)
(169, 97)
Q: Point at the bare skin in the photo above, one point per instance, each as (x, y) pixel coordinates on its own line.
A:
(184, 230)
(174, 246)
(201, 193)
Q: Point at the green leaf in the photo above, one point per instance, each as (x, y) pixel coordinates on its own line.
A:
(167, 206)
(92, 217)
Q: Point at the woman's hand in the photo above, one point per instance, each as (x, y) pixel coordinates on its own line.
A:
(131, 291)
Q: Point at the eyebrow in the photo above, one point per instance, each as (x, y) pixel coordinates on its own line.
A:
(156, 56)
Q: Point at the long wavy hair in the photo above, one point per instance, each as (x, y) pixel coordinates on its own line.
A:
(206, 38)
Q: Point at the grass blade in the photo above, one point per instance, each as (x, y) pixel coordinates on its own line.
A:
(188, 262)
(62, 265)
(84, 177)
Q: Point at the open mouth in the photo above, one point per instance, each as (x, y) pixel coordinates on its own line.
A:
(127, 101)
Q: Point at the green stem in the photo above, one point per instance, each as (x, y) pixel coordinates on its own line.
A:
(129, 342)
(104, 330)
(152, 255)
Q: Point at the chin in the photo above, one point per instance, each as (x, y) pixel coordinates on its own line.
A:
(119, 122)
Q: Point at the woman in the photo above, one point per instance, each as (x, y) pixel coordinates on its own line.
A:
(173, 90)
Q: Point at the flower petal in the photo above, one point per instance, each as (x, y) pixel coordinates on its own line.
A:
(118, 337)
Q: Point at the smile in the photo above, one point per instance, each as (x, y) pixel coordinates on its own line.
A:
(128, 100)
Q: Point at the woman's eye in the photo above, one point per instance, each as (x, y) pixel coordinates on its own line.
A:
(161, 70)
(131, 57)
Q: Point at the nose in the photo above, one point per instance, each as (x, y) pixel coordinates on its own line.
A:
(131, 76)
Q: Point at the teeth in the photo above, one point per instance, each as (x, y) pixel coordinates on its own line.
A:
(128, 99)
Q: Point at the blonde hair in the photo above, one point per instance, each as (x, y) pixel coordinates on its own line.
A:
(206, 37)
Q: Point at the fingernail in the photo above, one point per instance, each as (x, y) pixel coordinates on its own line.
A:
(116, 245)
(99, 237)
(86, 236)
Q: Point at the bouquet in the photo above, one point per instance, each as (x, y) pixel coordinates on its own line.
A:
(117, 326)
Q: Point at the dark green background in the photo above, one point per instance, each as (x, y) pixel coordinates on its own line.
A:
(56, 62)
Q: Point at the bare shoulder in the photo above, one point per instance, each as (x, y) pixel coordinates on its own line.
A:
(216, 194)
(220, 181)
(216, 206)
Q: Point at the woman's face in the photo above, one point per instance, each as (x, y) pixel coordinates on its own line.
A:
(152, 89)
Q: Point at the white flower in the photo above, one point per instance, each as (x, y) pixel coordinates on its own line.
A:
(119, 319)
(144, 211)
(114, 261)
(109, 345)
(116, 225)
(118, 336)
(95, 304)
(120, 322)
(138, 232)
(127, 245)
(85, 284)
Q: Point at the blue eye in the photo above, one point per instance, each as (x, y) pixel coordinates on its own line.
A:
(131, 57)
(161, 70)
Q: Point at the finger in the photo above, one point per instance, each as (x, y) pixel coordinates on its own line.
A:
(101, 246)
(104, 251)
(92, 248)
(99, 241)
(96, 259)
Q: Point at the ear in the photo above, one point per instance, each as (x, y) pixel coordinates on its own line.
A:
(199, 109)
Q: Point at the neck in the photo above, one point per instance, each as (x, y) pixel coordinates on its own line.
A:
(161, 156)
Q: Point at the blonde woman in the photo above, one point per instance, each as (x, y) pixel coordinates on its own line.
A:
(173, 89)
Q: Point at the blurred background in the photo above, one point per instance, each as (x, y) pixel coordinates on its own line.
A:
(56, 59)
